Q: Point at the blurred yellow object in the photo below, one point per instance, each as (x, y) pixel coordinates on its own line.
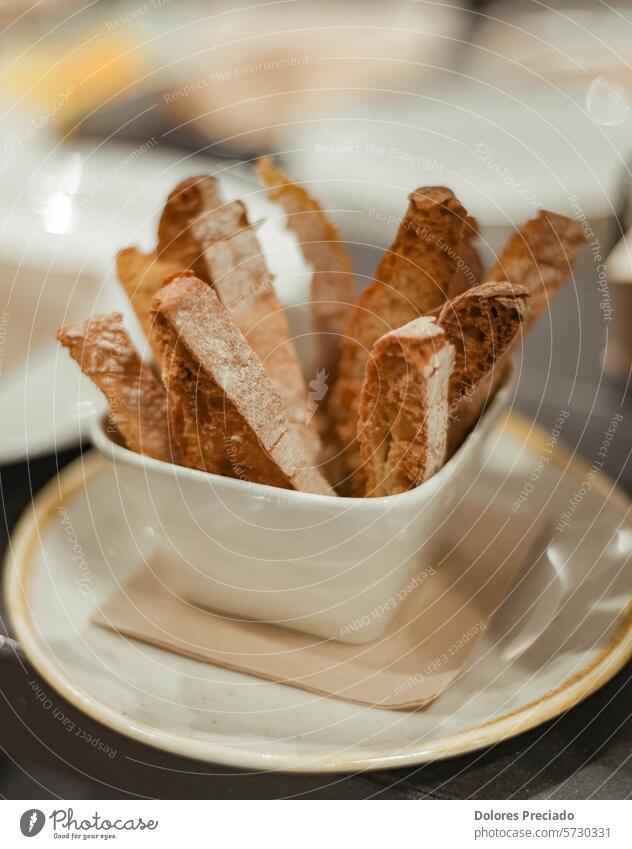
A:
(66, 78)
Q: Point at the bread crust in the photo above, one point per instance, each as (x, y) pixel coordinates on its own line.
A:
(403, 419)
(137, 401)
(412, 279)
(540, 257)
(231, 419)
(246, 289)
(193, 217)
(216, 240)
(333, 286)
(482, 324)
(469, 268)
(141, 275)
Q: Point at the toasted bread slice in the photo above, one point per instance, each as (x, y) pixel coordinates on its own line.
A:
(195, 217)
(469, 268)
(246, 289)
(481, 324)
(141, 275)
(403, 420)
(540, 257)
(333, 286)
(412, 279)
(216, 240)
(137, 401)
(231, 418)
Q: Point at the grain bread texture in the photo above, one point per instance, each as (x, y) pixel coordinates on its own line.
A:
(481, 324)
(137, 401)
(469, 268)
(333, 286)
(194, 217)
(229, 416)
(217, 241)
(412, 279)
(246, 289)
(539, 257)
(403, 422)
(141, 275)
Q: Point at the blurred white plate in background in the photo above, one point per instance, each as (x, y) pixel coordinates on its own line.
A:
(504, 151)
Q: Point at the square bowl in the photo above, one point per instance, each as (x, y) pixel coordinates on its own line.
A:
(334, 567)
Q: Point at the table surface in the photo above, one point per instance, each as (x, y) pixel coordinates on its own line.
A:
(585, 753)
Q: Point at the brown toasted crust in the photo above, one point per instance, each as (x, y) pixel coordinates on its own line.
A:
(141, 275)
(194, 217)
(412, 279)
(233, 420)
(137, 401)
(198, 416)
(469, 268)
(468, 409)
(481, 324)
(333, 288)
(217, 241)
(404, 407)
(540, 257)
(246, 289)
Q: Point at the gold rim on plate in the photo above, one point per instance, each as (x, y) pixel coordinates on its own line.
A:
(20, 559)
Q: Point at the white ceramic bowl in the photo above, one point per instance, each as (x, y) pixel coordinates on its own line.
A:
(334, 567)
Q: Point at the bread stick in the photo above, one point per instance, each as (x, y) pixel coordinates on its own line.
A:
(540, 257)
(403, 422)
(469, 268)
(141, 275)
(137, 401)
(195, 217)
(333, 287)
(481, 324)
(412, 279)
(215, 239)
(232, 419)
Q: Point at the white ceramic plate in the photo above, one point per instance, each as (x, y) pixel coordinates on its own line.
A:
(506, 147)
(62, 564)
